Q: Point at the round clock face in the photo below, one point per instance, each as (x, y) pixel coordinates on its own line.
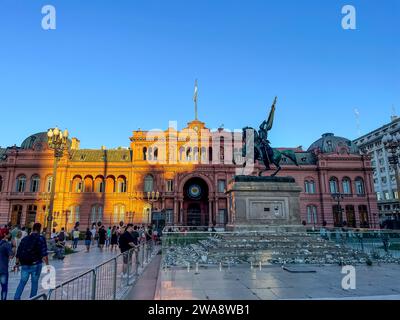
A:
(196, 128)
(194, 191)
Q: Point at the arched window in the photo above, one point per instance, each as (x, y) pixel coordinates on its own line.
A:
(121, 184)
(312, 214)
(119, 213)
(99, 184)
(74, 214)
(88, 184)
(181, 153)
(35, 183)
(346, 185)
(97, 213)
(77, 184)
(189, 154)
(49, 181)
(309, 186)
(1, 183)
(333, 185)
(210, 154)
(110, 184)
(148, 183)
(196, 154)
(150, 155)
(144, 153)
(360, 186)
(203, 155)
(155, 154)
(21, 183)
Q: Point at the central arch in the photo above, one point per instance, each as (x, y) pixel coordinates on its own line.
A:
(195, 202)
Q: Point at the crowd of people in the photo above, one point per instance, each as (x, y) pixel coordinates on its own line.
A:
(26, 250)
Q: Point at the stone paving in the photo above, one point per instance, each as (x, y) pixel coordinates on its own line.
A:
(272, 282)
(72, 265)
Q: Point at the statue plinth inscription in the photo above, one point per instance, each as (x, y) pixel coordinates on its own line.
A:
(257, 202)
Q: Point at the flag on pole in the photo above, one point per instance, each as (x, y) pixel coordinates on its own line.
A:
(195, 91)
(195, 99)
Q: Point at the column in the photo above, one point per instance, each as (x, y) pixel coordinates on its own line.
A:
(176, 213)
(216, 211)
(210, 212)
(181, 212)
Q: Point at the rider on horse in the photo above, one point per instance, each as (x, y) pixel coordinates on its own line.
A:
(263, 143)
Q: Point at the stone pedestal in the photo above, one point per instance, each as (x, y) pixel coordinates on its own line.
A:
(258, 203)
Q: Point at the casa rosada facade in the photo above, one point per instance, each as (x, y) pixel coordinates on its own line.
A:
(175, 177)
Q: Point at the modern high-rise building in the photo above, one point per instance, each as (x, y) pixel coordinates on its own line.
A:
(384, 177)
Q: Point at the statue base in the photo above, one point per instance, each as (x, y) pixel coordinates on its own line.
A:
(264, 203)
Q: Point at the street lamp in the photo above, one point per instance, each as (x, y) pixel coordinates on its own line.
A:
(337, 197)
(151, 198)
(57, 140)
(391, 143)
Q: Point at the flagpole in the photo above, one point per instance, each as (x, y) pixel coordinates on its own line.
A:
(195, 99)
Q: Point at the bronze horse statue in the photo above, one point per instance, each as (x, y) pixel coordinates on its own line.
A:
(263, 152)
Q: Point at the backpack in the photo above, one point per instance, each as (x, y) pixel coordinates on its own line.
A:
(29, 250)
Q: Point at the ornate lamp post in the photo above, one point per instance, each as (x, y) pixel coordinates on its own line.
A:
(57, 140)
(337, 197)
(151, 198)
(391, 143)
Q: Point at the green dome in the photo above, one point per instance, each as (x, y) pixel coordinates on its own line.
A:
(34, 139)
(38, 141)
(329, 143)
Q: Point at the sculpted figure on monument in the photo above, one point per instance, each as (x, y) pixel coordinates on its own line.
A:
(262, 149)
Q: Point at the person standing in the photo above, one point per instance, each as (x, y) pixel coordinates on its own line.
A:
(24, 233)
(108, 239)
(94, 232)
(114, 238)
(88, 239)
(102, 237)
(62, 235)
(6, 253)
(127, 242)
(75, 236)
(32, 251)
(53, 234)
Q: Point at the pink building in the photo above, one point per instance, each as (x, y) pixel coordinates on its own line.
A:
(114, 185)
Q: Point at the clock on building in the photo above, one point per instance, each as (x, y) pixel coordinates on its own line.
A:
(194, 191)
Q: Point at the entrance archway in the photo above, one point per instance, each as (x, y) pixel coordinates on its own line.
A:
(195, 202)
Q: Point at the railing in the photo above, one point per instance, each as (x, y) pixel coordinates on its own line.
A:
(110, 280)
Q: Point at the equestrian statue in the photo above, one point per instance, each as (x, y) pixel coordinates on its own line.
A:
(262, 149)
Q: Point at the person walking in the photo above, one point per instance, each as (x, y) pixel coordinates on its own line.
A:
(6, 253)
(32, 251)
(108, 239)
(88, 239)
(102, 237)
(114, 238)
(75, 236)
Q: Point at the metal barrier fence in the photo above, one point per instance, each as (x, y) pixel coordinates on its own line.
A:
(107, 281)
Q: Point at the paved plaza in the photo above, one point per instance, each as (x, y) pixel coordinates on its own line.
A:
(72, 265)
(272, 282)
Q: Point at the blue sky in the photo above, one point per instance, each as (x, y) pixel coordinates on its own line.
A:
(111, 67)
